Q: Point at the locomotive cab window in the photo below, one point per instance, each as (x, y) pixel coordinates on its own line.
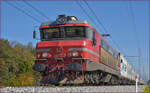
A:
(64, 33)
(50, 33)
(121, 61)
(94, 39)
(89, 33)
(73, 32)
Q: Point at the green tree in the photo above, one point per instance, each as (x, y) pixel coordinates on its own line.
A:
(16, 64)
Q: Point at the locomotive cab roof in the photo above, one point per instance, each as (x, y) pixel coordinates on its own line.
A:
(63, 19)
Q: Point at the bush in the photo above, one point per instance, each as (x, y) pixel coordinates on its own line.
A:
(147, 89)
(16, 61)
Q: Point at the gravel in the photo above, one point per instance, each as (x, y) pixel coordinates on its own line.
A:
(73, 89)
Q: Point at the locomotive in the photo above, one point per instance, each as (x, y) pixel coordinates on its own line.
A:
(71, 51)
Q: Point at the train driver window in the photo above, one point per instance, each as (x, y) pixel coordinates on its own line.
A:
(121, 61)
(89, 33)
(94, 39)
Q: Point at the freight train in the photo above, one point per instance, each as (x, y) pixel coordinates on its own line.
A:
(71, 51)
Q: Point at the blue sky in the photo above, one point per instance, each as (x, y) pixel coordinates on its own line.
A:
(115, 16)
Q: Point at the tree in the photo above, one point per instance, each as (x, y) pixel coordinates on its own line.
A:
(16, 64)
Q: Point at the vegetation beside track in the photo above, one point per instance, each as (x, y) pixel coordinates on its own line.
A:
(147, 89)
(16, 64)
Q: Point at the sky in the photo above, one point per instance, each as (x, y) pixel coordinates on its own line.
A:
(127, 35)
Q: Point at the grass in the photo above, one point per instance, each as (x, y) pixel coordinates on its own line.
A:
(147, 89)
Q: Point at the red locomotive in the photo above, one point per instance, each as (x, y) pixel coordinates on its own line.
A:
(72, 51)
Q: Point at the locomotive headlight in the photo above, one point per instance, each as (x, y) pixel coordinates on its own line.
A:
(45, 55)
(38, 55)
(74, 54)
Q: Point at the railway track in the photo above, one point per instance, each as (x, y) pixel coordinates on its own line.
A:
(125, 88)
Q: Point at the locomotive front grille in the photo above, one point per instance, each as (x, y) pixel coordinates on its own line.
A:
(59, 60)
(75, 66)
(41, 60)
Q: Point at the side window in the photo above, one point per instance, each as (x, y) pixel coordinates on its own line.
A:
(121, 61)
(104, 45)
(89, 33)
(94, 39)
(108, 49)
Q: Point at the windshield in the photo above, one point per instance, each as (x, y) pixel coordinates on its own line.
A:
(74, 32)
(63, 33)
(50, 33)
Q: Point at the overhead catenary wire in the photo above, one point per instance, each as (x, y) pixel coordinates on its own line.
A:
(24, 12)
(98, 20)
(37, 10)
(135, 35)
(95, 16)
(134, 24)
(28, 10)
(87, 14)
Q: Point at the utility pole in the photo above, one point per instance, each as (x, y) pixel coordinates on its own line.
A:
(139, 61)
(144, 73)
(149, 52)
(136, 66)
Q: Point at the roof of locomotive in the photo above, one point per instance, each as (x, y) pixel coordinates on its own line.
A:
(63, 19)
(66, 22)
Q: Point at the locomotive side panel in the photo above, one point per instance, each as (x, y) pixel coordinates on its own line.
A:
(108, 59)
(109, 56)
(93, 46)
